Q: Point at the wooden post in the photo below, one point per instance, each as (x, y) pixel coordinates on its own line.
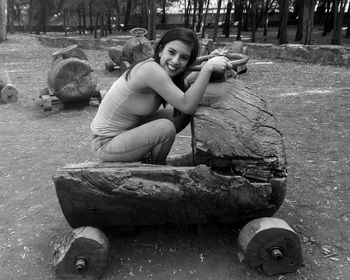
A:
(9, 93)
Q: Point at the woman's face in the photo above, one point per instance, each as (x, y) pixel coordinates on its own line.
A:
(174, 57)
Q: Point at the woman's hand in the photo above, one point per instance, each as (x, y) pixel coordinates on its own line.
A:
(218, 64)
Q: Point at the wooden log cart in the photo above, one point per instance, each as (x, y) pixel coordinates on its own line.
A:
(236, 173)
(71, 80)
(8, 92)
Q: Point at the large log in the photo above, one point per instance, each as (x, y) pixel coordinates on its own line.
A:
(71, 77)
(8, 92)
(239, 172)
(119, 194)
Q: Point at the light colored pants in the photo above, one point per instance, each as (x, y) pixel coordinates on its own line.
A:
(155, 135)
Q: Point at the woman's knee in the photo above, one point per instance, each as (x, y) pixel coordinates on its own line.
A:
(167, 128)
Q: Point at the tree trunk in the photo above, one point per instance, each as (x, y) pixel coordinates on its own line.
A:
(265, 18)
(194, 14)
(226, 29)
(79, 20)
(187, 13)
(84, 16)
(205, 19)
(3, 20)
(217, 17)
(200, 15)
(308, 18)
(283, 38)
(127, 15)
(96, 25)
(299, 32)
(163, 17)
(145, 13)
(339, 17)
(65, 21)
(11, 15)
(90, 15)
(253, 19)
(239, 13)
(240, 172)
(152, 20)
(347, 35)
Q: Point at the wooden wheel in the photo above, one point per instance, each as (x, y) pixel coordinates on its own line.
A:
(138, 32)
(82, 255)
(9, 94)
(109, 66)
(270, 244)
(46, 102)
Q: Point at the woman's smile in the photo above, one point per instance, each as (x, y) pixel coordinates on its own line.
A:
(174, 57)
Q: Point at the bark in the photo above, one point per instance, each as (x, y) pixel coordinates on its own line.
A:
(308, 17)
(226, 29)
(127, 15)
(217, 17)
(70, 77)
(253, 19)
(152, 21)
(205, 19)
(338, 22)
(283, 38)
(3, 20)
(299, 32)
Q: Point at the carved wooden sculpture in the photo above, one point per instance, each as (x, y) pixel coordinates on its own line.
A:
(71, 78)
(134, 50)
(236, 171)
(240, 172)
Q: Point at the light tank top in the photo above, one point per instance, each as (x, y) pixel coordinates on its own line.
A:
(122, 109)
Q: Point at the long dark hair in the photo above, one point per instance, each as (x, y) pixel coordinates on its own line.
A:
(188, 37)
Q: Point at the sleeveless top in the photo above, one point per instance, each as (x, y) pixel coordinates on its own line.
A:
(122, 109)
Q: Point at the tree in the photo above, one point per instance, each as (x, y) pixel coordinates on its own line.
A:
(217, 16)
(308, 18)
(200, 15)
(239, 15)
(127, 15)
(347, 35)
(205, 19)
(254, 4)
(328, 24)
(227, 23)
(3, 20)
(11, 15)
(284, 8)
(338, 21)
(151, 20)
(300, 10)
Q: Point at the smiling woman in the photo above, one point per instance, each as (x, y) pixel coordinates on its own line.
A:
(129, 124)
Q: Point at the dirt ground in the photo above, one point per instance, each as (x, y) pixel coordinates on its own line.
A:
(312, 105)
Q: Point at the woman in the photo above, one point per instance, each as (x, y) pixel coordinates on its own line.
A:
(129, 123)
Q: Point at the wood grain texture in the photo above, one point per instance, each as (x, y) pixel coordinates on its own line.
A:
(114, 194)
(270, 244)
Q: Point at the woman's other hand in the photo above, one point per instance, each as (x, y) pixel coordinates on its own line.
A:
(218, 64)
